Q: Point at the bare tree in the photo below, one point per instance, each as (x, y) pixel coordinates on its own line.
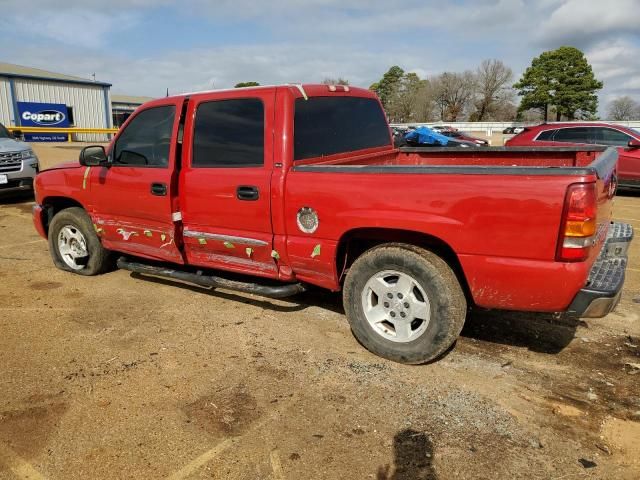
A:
(624, 108)
(334, 81)
(453, 93)
(493, 78)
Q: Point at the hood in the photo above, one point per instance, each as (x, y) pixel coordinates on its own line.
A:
(11, 145)
(65, 165)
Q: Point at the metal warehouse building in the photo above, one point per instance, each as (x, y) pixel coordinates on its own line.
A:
(86, 103)
(123, 106)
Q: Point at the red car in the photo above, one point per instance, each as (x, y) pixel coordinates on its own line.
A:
(300, 185)
(627, 140)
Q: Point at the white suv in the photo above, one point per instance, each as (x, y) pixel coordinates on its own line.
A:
(18, 163)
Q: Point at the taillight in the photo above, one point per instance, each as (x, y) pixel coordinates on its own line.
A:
(579, 226)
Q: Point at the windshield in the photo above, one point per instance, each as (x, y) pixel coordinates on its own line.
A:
(4, 133)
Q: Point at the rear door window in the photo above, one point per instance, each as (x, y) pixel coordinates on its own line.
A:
(572, 135)
(229, 133)
(328, 125)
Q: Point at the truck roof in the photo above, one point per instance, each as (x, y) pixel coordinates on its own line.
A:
(306, 89)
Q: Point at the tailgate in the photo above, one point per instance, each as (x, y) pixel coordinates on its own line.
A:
(607, 261)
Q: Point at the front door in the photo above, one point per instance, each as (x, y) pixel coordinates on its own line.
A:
(131, 199)
(225, 182)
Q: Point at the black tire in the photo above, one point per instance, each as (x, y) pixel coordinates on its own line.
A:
(447, 301)
(99, 259)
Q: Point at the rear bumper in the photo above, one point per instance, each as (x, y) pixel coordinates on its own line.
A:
(603, 289)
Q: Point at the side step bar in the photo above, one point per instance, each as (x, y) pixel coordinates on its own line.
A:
(280, 291)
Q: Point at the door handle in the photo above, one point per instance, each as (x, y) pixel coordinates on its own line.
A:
(159, 189)
(247, 192)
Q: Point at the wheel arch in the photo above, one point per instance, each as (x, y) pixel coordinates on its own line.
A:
(53, 205)
(355, 242)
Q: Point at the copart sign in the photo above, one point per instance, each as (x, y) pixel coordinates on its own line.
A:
(48, 115)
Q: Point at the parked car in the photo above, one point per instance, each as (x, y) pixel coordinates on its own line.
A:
(300, 185)
(18, 163)
(463, 137)
(626, 140)
(512, 130)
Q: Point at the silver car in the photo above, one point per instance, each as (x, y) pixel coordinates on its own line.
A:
(18, 163)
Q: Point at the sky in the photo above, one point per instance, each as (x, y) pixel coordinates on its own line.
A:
(144, 47)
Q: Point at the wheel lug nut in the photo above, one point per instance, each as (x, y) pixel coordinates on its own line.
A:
(400, 296)
(402, 314)
(406, 304)
(393, 314)
(390, 295)
(386, 304)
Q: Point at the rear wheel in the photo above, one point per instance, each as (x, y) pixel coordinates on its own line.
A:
(74, 245)
(404, 303)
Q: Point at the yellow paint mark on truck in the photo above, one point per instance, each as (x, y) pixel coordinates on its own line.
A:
(84, 178)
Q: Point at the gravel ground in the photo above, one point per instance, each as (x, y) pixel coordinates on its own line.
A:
(120, 376)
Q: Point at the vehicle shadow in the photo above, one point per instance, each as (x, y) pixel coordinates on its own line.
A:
(412, 458)
(312, 297)
(629, 192)
(16, 197)
(538, 332)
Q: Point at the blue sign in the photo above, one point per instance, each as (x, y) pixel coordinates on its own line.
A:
(52, 115)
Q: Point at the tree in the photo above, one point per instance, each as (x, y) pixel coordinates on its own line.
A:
(388, 84)
(453, 93)
(403, 104)
(333, 81)
(624, 108)
(562, 78)
(492, 79)
(246, 84)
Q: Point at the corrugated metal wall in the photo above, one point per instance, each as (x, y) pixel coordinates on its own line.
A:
(6, 109)
(87, 101)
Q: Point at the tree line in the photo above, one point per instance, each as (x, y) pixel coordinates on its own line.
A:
(558, 85)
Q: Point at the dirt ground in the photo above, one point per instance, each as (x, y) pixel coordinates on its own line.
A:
(118, 376)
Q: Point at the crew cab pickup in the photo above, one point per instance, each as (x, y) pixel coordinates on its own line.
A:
(270, 190)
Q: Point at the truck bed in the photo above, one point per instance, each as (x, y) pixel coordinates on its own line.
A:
(499, 209)
(527, 160)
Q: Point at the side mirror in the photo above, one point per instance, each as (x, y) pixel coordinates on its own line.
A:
(17, 134)
(93, 156)
(634, 144)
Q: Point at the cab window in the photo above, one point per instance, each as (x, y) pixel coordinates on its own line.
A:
(329, 125)
(146, 140)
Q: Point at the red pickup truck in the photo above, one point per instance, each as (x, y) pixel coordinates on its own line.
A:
(290, 186)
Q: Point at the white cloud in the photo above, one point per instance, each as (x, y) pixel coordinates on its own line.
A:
(307, 41)
(81, 27)
(581, 22)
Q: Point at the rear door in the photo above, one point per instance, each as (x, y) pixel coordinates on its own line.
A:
(131, 199)
(225, 181)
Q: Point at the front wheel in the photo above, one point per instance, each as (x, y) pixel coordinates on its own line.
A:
(404, 303)
(74, 245)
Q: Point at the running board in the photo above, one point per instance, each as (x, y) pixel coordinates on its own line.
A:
(280, 291)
